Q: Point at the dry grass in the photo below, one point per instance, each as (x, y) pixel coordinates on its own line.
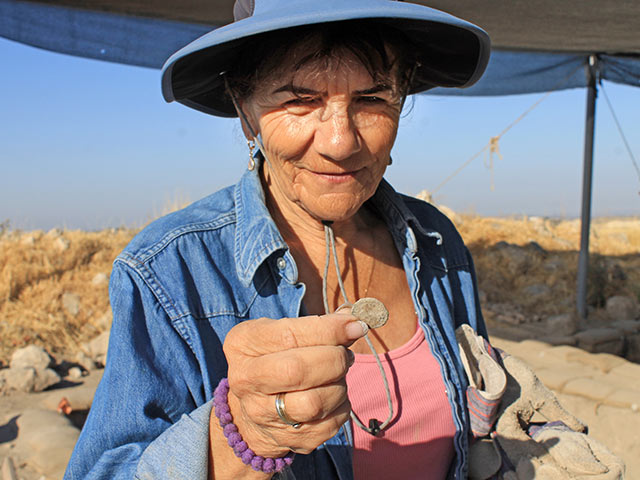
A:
(545, 253)
(610, 237)
(37, 269)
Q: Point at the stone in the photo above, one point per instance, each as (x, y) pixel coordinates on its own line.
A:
(20, 379)
(632, 347)
(562, 325)
(625, 398)
(560, 340)
(553, 264)
(511, 318)
(607, 340)
(84, 361)
(565, 354)
(536, 290)
(61, 244)
(621, 307)
(627, 326)
(71, 303)
(100, 344)
(602, 362)
(629, 372)
(29, 379)
(588, 388)
(101, 360)
(515, 257)
(100, 279)
(31, 356)
(45, 378)
(554, 378)
(532, 346)
(598, 335)
(371, 311)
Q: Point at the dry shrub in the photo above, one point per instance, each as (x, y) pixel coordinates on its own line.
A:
(37, 269)
(514, 253)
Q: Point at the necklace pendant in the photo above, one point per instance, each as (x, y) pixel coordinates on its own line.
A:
(374, 427)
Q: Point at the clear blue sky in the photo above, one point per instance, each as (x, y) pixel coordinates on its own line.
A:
(89, 144)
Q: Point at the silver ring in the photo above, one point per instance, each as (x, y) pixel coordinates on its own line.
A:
(282, 413)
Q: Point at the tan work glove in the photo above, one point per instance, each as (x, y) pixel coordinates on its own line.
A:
(580, 455)
(559, 450)
(518, 449)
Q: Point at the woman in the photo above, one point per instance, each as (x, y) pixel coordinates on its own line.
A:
(238, 285)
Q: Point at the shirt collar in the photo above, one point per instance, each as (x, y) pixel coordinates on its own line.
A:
(257, 236)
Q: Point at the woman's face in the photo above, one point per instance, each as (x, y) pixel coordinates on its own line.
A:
(327, 128)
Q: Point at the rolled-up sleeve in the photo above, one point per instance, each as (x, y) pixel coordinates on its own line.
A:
(150, 417)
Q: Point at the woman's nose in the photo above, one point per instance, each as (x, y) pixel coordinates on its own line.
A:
(337, 136)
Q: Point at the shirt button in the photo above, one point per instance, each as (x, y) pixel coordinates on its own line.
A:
(281, 263)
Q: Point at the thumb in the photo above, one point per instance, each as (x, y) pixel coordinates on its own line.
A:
(540, 397)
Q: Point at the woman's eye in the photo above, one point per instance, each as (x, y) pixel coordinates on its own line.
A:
(371, 99)
(301, 101)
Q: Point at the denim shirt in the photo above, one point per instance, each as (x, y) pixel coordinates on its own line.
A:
(188, 278)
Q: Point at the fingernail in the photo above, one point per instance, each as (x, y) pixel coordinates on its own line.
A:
(356, 329)
(351, 357)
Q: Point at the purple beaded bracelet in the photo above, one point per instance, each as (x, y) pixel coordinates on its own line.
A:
(234, 439)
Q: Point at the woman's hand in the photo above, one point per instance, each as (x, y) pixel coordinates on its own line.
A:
(306, 359)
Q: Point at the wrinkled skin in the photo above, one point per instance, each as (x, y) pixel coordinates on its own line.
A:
(328, 137)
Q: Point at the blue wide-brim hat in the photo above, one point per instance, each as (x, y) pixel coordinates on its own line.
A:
(457, 49)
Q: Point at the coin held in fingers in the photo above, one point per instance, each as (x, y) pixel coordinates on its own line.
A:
(371, 311)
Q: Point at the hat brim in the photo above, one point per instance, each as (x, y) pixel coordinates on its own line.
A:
(453, 52)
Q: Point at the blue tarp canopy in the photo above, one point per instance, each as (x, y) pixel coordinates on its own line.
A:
(538, 45)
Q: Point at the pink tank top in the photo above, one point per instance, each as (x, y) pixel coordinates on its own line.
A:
(418, 443)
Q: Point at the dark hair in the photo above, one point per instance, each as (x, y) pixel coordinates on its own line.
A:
(381, 48)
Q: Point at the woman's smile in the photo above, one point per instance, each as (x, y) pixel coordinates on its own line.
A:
(336, 177)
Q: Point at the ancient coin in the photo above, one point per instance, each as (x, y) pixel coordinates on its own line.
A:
(371, 311)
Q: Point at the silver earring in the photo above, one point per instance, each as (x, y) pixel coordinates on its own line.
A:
(252, 161)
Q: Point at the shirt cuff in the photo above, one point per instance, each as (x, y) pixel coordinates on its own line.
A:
(182, 451)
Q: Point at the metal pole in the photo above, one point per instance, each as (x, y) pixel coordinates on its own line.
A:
(587, 180)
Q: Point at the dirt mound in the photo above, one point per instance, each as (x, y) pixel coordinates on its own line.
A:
(529, 265)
